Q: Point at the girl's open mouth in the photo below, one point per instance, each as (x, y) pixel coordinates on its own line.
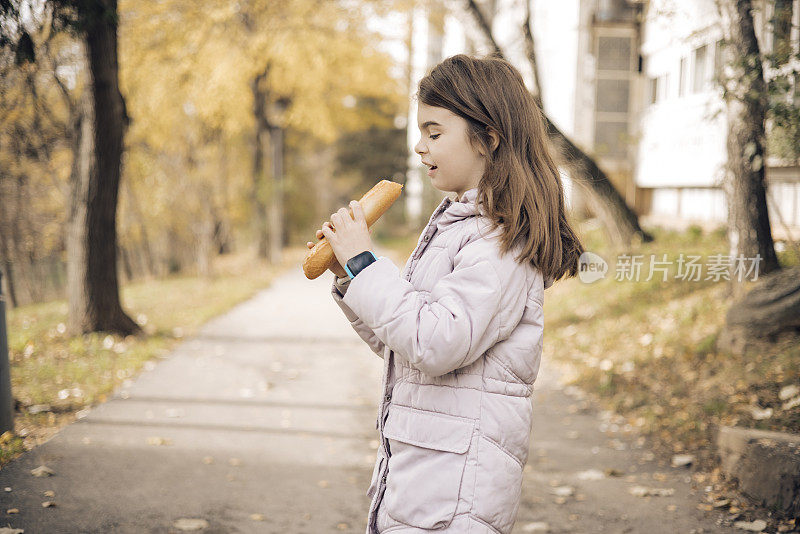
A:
(431, 169)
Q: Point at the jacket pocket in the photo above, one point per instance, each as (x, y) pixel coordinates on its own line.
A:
(373, 485)
(426, 464)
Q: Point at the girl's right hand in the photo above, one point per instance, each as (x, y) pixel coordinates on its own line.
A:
(336, 268)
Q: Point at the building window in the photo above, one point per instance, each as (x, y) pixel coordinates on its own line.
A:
(614, 53)
(682, 77)
(617, 59)
(653, 90)
(718, 59)
(610, 139)
(699, 78)
(659, 88)
(612, 95)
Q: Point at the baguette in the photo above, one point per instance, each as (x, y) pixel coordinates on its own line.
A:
(374, 203)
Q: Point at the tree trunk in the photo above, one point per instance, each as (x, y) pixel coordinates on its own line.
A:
(147, 251)
(127, 268)
(76, 217)
(8, 272)
(749, 231)
(620, 222)
(769, 313)
(97, 306)
(205, 235)
(276, 198)
(17, 241)
(259, 169)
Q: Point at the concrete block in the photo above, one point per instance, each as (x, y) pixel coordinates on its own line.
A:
(765, 464)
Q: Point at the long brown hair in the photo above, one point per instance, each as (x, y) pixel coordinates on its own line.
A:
(521, 188)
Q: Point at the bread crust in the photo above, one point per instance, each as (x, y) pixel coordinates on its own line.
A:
(375, 202)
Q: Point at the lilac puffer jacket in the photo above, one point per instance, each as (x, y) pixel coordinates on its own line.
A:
(460, 333)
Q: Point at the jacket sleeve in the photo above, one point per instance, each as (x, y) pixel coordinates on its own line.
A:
(438, 332)
(364, 332)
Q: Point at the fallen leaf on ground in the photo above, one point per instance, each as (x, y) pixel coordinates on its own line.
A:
(158, 440)
(759, 413)
(538, 526)
(49, 493)
(791, 403)
(257, 517)
(48, 504)
(788, 392)
(12, 511)
(563, 491)
(753, 526)
(682, 460)
(42, 471)
(641, 491)
(7, 530)
(186, 523)
(591, 474)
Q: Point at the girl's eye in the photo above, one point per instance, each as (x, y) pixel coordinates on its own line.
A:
(434, 136)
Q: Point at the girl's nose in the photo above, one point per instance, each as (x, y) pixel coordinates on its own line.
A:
(419, 147)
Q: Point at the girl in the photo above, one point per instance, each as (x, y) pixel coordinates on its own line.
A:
(460, 331)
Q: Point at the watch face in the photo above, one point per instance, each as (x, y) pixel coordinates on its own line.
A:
(359, 261)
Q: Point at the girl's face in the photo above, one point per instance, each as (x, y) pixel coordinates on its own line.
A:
(453, 165)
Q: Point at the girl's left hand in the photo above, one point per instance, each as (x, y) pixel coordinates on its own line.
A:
(349, 235)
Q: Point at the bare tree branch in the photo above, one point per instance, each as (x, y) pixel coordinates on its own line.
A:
(619, 220)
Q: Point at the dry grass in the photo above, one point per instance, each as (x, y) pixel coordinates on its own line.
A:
(646, 349)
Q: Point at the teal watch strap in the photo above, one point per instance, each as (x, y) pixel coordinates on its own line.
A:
(358, 262)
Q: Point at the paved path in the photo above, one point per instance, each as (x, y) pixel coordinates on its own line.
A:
(270, 410)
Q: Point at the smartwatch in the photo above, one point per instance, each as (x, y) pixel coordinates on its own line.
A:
(359, 262)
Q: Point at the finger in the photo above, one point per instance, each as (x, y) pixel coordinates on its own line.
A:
(358, 211)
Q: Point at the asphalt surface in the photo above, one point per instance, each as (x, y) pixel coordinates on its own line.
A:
(265, 423)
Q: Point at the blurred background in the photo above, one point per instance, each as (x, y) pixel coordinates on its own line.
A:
(163, 160)
(247, 123)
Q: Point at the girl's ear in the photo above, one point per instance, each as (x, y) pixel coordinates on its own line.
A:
(494, 136)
